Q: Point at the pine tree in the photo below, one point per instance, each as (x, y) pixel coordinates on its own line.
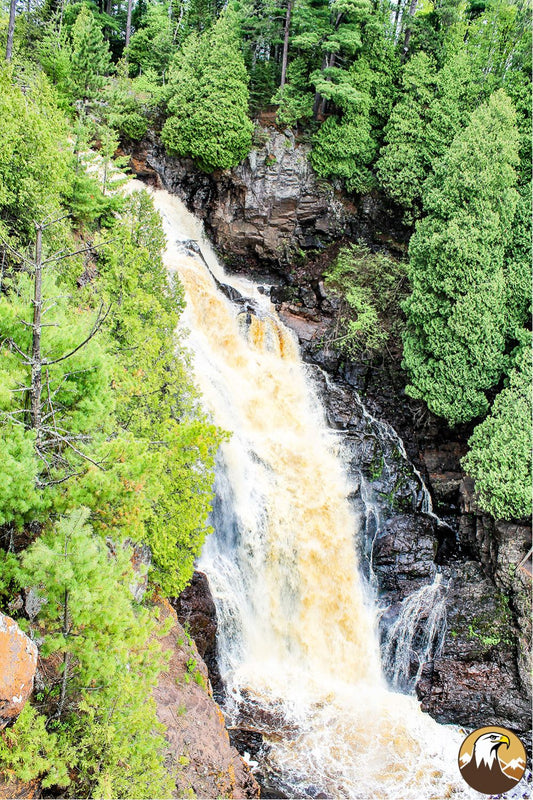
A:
(209, 107)
(454, 346)
(109, 662)
(152, 45)
(356, 86)
(174, 476)
(34, 155)
(90, 57)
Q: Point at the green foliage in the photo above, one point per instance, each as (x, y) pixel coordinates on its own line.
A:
(209, 104)
(90, 59)
(110, 662)
(404, 161)
(369, 286)
(360, 94)
(163, 482)
(343, 148)
(28, 751)
(34, 154)
(500, 447)
(19, 496)
(294, 99)
(152, 46)
(517, 267)
(74, 398)
(454, 345)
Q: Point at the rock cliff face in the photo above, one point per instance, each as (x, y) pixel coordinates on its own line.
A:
(199, 746)
(273, 217)
(271, 207)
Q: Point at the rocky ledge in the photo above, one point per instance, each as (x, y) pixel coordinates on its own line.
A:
(265, 212)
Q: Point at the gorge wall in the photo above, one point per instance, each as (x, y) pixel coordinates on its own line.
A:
(272, 217)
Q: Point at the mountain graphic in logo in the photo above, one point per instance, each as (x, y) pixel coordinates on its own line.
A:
(492, 760)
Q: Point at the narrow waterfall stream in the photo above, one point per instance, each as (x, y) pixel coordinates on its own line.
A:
(297, 642)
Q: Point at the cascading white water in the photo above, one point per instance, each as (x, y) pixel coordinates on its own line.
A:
(422, 617)
(297, 643)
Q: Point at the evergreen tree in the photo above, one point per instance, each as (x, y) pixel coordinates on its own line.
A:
(344, 146)
(152, 46)
(209, 108)
(109, 663)
(404, 162)
(500, 448)
(517, 267)
(34, 155)
(357, 85)
(454, 346)
(159, 490)
(90, 57)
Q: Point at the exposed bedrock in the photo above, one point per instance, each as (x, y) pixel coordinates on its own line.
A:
(199, 747)
(264, 212)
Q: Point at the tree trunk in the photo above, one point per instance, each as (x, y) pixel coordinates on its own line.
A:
(66, 654)
(324, 103)
(128, 22)
(2, 267)
(36, 360)
(286, 44)
(398, 19)
(10, 29)
(318, 97)
(412, 10)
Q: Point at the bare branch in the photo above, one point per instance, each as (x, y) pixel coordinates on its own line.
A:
(78, 452)
(11, 343)
(59, 480)
(45, 224)
(96, 327)
(43, 324)
(77, 252)
(15, 252)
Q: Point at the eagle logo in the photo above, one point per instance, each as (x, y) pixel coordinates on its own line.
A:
(492, 760)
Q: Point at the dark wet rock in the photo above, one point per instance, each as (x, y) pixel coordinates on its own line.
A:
(196, 611)
(268, 209)
(475, 680)
(404, 555)
(443, 464)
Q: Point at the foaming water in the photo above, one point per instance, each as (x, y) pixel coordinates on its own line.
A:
(297, 642)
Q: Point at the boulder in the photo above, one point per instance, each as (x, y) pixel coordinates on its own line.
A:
(18, 662)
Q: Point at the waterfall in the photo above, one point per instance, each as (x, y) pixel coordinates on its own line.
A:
(297, 631)
(417, 634)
